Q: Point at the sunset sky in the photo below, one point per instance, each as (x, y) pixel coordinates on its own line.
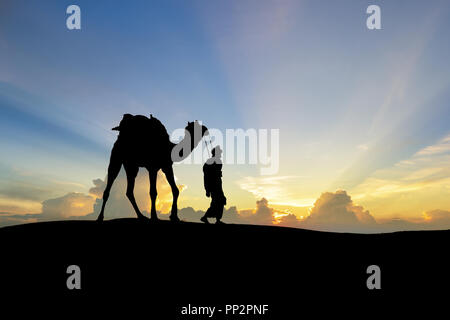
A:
(363, 115)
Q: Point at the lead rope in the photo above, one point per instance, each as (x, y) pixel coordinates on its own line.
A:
(207, 149)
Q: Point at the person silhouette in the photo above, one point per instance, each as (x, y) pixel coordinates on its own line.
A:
(212, 178)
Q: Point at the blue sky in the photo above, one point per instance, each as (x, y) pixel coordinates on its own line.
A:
(348, 101)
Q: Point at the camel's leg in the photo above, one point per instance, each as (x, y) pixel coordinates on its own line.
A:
(153, 176)
(113, 170)
(132, 172)
(168, 171)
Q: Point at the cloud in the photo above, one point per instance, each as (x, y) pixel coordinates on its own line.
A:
(436, 219)
(189, 214)
(75, 205)
(290, 220)
(99, 186)
(443, 146)
(431, 220)
(10, 220)
(21, 190)
(118, 205)
(11, 208)
(363, 216)
(333, 208)
(262, 214)
(420, 181)
(332, 211)
(337, 212)
(70, 205)
(397, 224)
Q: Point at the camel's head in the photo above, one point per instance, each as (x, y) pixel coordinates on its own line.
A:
(194, 132)
(195, 129)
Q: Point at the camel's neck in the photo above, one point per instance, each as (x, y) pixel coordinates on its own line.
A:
(184, 148)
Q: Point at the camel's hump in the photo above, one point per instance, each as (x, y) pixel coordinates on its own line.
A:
(139, 124)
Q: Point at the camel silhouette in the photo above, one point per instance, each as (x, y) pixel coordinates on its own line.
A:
(144, 142)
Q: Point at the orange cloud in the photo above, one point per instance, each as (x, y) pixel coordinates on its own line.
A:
(70, 205)
(337, 212)
(118, 204)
